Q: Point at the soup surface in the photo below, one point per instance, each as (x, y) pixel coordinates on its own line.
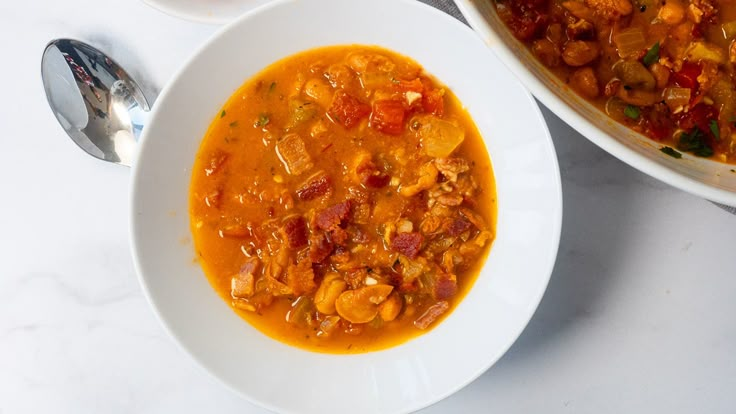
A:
(342, 200)
(663, 68)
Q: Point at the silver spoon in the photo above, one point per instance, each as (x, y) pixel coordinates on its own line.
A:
(96, 102)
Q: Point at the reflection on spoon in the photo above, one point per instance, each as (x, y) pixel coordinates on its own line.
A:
(101, 108)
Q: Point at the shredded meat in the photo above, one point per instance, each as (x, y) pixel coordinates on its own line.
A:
(451, 167)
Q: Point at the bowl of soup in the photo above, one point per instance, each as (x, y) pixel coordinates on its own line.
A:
(334, 209)
(649, 82)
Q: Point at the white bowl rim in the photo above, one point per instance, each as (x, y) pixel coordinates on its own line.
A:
(550, 259)
(582, 125)
(183, 13)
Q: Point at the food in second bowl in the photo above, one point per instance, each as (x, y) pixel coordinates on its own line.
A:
(663, 68)
(342, 200)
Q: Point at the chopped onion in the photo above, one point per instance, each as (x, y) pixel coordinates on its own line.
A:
(705, 51)
(676, 97)
(630, 41)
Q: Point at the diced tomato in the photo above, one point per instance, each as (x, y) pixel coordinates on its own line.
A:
(658, 123)
(347, 110)
(388, 117)
(699, 116)
(687, 77)
(433, 102)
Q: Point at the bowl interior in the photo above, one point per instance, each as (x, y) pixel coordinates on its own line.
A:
(403, 378)
(706, 178)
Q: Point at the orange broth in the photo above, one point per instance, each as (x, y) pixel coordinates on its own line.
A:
(342, 200)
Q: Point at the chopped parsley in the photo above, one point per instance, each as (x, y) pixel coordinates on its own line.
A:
(222, 114)
(652, 55)
(694, 142)
(713, 125)
(672, 153)
(632, 111)
(272, 87)
(262, 121)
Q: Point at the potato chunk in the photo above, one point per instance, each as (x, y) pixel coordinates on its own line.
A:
(439, 138)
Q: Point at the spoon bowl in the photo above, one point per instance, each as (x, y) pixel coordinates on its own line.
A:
(96, 102)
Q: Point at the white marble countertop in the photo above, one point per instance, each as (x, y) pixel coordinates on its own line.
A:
(638, 317)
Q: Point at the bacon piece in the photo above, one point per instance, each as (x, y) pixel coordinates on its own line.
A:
(300, 278)
(369, 174)
(456, 226)
(333, 217)
(442, 285)
(320, 247)
(431, 314)
(316, 186)
(293, 154)
(294, 230)
(407, 244)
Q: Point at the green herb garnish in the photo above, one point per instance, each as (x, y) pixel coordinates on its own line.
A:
(652, 55)
(272, 87)
(694, 142)
(222, 114)
(262, 121)
(672, 153)
(632, 111)
(714, 129)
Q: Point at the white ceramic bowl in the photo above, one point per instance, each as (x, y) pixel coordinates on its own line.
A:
(708, 179)
(206, 11)
(403, 378)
